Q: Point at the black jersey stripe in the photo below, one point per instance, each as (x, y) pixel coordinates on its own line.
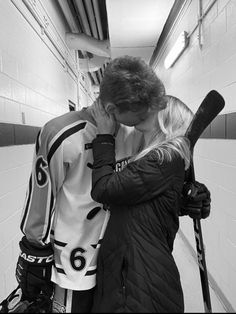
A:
(27, 205)
(60, 270)
(49, 218)
(59, 243)
(91, 272)
(61, 138)
(37, 142)
(65, 297)
(95, 245)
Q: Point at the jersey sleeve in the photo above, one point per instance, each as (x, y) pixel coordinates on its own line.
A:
(137, 182)
(47, 175)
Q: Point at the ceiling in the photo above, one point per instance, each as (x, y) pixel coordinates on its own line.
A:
(131, 27)
(134, 26)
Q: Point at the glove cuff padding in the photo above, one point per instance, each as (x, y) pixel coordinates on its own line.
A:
(34, 254)
(104, 151)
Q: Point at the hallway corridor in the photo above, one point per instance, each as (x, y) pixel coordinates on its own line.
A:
(53, 58)
(191, 283)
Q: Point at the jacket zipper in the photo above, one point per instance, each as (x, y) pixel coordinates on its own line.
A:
(123, 275)
(124, 290)
(123, 293)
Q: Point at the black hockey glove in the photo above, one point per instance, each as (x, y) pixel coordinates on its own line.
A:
(17, 303)
(33, 270)
(196, 200)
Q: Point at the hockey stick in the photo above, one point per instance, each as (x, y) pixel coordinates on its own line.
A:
(211, 105)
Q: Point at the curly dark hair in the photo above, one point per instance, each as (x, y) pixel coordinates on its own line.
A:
(131, 85)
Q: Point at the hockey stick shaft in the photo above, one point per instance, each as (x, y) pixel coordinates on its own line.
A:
(212, 104)
(202, 265)
(201, 258)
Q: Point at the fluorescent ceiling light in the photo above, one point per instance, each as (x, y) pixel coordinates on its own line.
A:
(178, 48)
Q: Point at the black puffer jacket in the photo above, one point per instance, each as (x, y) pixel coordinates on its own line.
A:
(136, 269)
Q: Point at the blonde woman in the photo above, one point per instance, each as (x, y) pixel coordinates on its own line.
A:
(136, 269)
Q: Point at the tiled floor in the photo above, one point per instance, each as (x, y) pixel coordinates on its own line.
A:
(190, 279)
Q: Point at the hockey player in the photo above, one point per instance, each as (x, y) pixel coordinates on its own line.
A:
(62, 225)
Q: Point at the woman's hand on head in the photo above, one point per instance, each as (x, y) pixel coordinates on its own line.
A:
(106, 123)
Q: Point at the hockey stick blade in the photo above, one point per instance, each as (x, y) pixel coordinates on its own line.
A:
(211, 105)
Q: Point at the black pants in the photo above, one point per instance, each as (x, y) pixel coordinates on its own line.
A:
(72, 301)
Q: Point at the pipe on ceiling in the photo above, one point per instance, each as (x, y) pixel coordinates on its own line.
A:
(88, 43)
(69, 16)
(91, 18)
(98, 19)
(91, 65)
(74, 28)
(99, 28)
(91, 21)
(81, 12)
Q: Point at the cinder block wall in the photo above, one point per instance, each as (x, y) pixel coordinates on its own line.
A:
(196, 72)
(35, 86)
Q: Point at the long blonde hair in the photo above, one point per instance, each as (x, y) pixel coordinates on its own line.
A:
(168, 138)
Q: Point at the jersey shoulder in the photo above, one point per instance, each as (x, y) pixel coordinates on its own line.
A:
(66, 125)
(64, 122)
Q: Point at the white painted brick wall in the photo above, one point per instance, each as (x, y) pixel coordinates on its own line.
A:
(191, 78)
(15, 166)
(30, 74)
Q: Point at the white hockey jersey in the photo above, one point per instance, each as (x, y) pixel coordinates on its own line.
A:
(58, 206)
